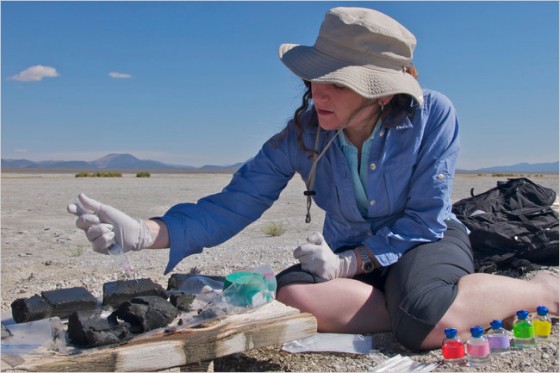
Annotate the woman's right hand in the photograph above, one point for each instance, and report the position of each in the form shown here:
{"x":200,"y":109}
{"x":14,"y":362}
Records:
{"x":103,"y":224}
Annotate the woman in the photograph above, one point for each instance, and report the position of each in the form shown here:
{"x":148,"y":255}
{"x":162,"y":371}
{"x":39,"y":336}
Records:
{"x":378,"y":155}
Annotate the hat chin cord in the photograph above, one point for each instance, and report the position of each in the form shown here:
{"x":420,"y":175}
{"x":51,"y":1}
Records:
{"x":310,"y":184}
{"x":309,"y":193}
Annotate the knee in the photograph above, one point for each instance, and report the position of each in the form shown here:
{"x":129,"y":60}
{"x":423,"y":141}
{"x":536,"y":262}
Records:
{"x":284,"y":294}
{"x":290,"y":295}
{"x":298,"y":296}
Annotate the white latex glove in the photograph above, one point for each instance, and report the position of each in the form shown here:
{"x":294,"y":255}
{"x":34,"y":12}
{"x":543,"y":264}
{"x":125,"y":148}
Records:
{"x":317,"y":257}
{"x":103,"y":224}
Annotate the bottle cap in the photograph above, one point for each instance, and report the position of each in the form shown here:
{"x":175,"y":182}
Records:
{"x":477,"y":331}
{"x":542,"y":310}
{"x":522,"y":314}
{"x":496,"y":324}
{"x":450,"y":332}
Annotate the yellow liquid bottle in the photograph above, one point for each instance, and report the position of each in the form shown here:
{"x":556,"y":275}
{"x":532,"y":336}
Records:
{"x":542,"y":323}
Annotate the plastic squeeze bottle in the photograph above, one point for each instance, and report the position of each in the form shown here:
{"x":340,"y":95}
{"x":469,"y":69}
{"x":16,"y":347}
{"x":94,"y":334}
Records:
{"x":523,"y":329}
{"x":478,"y":348}
{"x":452,"y":347}
{"x":542,"y":323}
{"x":498,"y":337}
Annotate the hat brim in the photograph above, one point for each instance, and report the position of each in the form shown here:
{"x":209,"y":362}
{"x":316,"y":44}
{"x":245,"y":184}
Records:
{"x":369,"y":81}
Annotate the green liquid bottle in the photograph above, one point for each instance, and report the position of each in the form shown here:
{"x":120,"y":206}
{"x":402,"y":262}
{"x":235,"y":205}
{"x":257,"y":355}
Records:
{"x":523,"y":330}
{"x":542,"y":323}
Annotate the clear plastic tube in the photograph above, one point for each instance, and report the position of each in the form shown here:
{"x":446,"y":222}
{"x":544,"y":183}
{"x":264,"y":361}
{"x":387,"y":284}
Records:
{"x":116,"y":251}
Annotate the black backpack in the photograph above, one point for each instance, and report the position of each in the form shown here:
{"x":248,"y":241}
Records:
{"x":512,"y":226}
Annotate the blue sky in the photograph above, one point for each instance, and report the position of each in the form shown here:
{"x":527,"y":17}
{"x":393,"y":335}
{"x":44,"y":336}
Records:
{"x":197,"y":83}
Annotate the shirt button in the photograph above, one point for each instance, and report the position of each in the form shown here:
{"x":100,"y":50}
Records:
{"x":370,"y":233}
{"x":381,"y":133}
{"x":372,"y":202}
{"x":372,"y":166}
{"x":441,"y":176}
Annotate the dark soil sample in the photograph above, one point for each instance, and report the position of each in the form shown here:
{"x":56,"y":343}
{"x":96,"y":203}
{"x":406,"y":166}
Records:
{"x":117,"y":292}
{"x":146,"y":313}
{"x":30,"y":309}
{"x":182,"y":301}
{"x":64,"y":302}
{"x":89,"y":329}
{"x":177,"y":281}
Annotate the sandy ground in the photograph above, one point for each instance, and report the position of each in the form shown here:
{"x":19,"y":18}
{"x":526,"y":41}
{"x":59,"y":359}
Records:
{"x":41,"y":249}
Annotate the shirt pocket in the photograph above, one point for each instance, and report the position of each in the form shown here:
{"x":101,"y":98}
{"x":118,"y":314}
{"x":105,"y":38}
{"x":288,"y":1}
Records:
{"x":347,"y":205}
{"x":396,"y":180}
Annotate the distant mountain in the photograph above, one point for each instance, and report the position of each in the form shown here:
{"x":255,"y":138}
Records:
{"x":210,"y":167}
{"x":523,"y":167}
{"x":130,"y":162}
{"x":108,"y":162}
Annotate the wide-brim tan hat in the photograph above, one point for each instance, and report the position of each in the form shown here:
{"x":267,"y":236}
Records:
{"x":362,"y":49}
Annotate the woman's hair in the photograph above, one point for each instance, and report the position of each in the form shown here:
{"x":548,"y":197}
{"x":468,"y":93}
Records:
{"x":392,"y":114}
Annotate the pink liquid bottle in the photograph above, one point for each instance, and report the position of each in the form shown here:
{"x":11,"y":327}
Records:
{"x":452,"y":347}
{"x":498,"y":338}
{"x":478,"y":348}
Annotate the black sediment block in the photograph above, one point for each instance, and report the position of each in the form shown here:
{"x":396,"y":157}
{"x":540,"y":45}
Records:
{"x":88,"y":328}
{"x":146,"y":313}
{"x":64,"y":302}
{"x":182,"y":301}
{"x":117,"y":292}
{"x":177,"y":280}
{"x":30,"y":309}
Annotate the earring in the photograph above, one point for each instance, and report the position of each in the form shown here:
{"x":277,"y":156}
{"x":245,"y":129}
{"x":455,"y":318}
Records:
{"x":382,"y":106}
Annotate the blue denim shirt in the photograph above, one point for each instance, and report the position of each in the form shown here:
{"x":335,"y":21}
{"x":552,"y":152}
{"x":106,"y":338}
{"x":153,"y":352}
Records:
{"x":359,"y":170}
{"x":411,"y":169}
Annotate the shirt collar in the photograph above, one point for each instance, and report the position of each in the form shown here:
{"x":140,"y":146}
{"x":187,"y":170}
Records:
{"x":343,"y":141}
{"x":404,"y":124}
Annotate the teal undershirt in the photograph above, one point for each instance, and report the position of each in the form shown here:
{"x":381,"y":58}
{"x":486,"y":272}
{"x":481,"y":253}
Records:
{"x":359,"y":177}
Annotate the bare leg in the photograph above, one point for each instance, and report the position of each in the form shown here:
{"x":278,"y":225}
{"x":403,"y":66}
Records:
{"x":482,"y":298}
{"x":340,"y":305}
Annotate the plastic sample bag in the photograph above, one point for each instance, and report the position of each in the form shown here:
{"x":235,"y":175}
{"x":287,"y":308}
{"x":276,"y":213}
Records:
{"x":331,"y":342}
{"x":28,"y":336}
{"x":241,"y":291}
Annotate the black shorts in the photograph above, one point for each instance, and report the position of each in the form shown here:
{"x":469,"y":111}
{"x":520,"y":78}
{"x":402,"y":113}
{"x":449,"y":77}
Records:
{"x":418,"y":289}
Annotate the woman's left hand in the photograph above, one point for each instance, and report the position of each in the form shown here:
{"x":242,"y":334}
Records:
{"x":317,"y":257}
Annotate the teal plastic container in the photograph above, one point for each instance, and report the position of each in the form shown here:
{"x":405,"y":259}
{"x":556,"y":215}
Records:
{"x":246,"y":289}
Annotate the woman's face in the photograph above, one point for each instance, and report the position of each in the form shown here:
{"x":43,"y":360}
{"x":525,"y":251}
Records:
{"x":340,"y":107}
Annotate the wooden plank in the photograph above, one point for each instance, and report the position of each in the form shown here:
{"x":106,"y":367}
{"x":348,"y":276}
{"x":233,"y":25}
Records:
{"x":272,"y":324}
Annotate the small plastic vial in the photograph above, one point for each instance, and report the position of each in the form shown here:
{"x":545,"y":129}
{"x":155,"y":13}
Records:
{"x":498,"y":338}
{"x":452,"y":347}
{"x":523,"y":329}
{"x":478,"y":348}
{"x":117,"y":252}
{"x":542,"y":323}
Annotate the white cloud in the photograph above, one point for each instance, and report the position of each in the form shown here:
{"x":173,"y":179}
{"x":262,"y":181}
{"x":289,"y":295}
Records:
{"x":35,"y":73}
{"x":116,"y":75}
